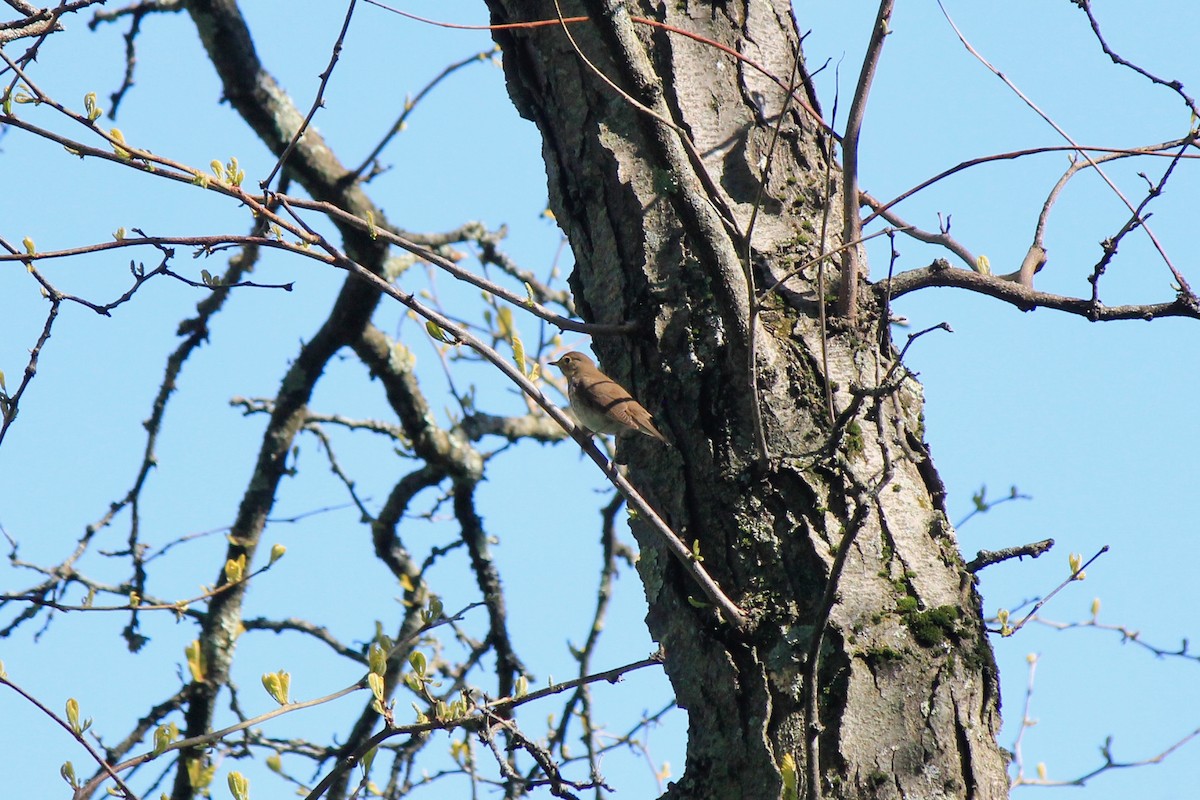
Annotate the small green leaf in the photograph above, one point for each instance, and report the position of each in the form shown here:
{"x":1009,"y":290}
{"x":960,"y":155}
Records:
{"x":506,"y":322}
{"x":119,"y":137}
{"x":375,"y":681}
{"x":73,"y":717}
{"x":89,"y":105}
{"x":73,"y":714}
{"x":200,"y":775}
{"x":235,"y":569}
{"x":519,"y":353}
{"x":239,"y":786}
{"x":377,"y":658}
{"x":233,"y":173}
{"x":195,"y":660}
{"x":163,"y":736}
{"x":436,"y":332}
{"x":278,"y":685}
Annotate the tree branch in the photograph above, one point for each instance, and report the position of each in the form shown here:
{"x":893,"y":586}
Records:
{"x":940,"y":273}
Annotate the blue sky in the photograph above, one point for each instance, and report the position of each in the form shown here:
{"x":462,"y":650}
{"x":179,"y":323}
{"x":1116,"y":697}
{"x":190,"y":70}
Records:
{"x":1096,"y":422}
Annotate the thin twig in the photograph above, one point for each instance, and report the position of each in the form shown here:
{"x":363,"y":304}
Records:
{"x":1072,"y":577}
{"x":812,"y":663}
{"x":1173,"y":85}
{"x":108,"y":770}
{"x":318,"y":101}
{"x":942,"y":238}
{"x":410,"y":106}
{"x":445,"y":264}
{"x":1061,"y":132}
{"x":1136,"y":220}
{"x":1110,"y":763}
{"x":983,"y":505}
{"x":1148,"y":150}
{"x":763,"y":455}
{"x":824,"y":256}
{"x":532,"y":24}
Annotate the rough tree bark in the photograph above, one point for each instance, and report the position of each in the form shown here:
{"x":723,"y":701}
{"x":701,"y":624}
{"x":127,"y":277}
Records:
{"x":867,"y":664}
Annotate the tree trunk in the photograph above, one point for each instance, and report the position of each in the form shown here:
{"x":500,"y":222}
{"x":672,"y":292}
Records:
{"x":866,"y":671}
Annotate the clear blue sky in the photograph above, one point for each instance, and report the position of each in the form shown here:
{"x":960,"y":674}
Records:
{"x":1096,"y":422}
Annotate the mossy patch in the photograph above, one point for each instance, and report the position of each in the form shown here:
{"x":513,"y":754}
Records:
{"x":934,"y":626}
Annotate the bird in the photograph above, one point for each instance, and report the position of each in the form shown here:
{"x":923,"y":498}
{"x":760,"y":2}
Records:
{"x":601,"y":404}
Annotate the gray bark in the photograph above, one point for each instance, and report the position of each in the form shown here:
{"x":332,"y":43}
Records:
{"x":867,"y":664}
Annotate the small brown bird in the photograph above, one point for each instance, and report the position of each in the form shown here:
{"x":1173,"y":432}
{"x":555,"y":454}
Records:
{"x":601,"y":404}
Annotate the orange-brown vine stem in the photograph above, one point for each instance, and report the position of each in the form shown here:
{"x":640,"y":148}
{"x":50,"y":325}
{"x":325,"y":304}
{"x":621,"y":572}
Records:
{"x":543,"y":23}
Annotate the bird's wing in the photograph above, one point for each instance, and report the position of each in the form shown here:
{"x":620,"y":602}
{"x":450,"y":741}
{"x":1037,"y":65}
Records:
{"x":632,"y":413}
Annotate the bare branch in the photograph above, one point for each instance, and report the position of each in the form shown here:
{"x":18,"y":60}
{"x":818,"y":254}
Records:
{"x":852,"y":231}
{"x":1149,"y":150}
{"x":1173,"y":85}
{"x":985,"y":558}
{"x":410,"y":106}
{"x":1076,"y":574}
{"x":1082,"y":152}
{"x":318,"y":101}
{"x":1027,"y":299}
